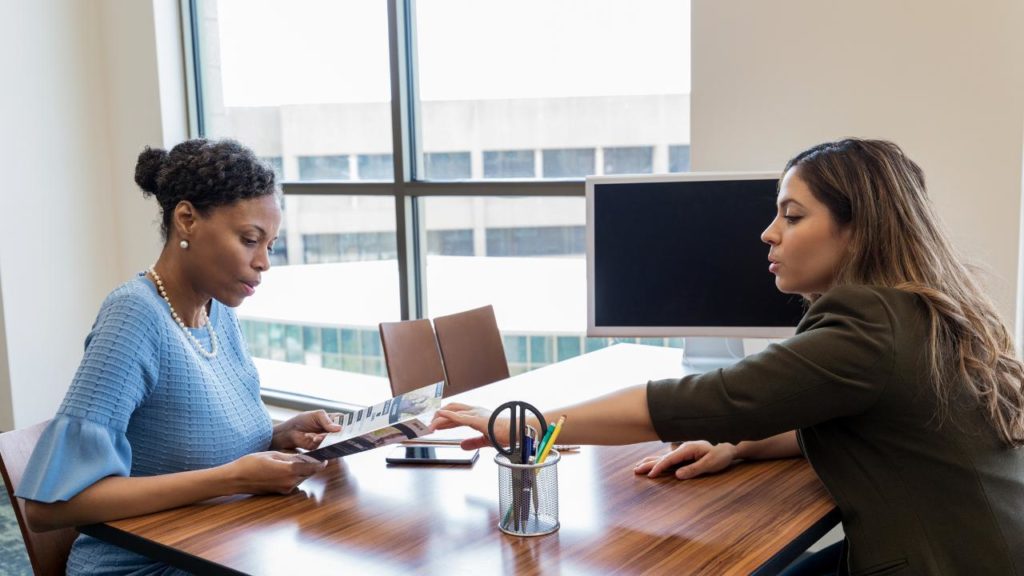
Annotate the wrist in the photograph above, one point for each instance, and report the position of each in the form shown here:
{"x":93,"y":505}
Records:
{"x":229,"y":478}
{"x":744,"y":451}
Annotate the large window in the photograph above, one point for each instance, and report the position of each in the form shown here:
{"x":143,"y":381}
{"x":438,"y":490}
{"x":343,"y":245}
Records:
{"x":433,"y":161}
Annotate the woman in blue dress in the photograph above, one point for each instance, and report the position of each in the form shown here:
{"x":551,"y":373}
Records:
{"x":165,"y":407}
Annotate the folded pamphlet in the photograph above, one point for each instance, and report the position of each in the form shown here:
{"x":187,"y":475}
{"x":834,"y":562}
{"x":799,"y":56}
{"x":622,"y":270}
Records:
{"x":400,"y":418}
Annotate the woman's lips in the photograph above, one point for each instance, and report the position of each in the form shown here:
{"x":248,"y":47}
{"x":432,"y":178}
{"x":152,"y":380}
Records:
{"x":773,"y":267}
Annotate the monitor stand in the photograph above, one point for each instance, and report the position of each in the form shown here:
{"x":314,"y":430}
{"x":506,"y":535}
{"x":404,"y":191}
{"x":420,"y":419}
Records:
{"x":707,"y":354}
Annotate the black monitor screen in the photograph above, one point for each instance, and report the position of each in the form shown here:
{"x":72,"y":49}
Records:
{"x":678,"y":256}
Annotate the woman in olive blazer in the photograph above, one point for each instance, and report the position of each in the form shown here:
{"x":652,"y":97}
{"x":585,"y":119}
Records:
{"x":901,"y":387}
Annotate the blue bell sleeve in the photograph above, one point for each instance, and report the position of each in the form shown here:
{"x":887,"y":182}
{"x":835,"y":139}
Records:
{"x":86,"y":441}
{"x":72,"y":454}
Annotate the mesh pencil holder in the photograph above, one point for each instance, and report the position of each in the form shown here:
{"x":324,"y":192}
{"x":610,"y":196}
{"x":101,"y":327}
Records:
{"x":528,"y":496}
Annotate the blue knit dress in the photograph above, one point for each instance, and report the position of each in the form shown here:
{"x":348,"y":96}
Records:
{"x":145,"y":402}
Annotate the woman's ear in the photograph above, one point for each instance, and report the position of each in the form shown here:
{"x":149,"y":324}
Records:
{"x":185,"y":219}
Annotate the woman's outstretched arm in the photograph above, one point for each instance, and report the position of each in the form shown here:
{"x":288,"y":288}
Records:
{"x":621,"y":417}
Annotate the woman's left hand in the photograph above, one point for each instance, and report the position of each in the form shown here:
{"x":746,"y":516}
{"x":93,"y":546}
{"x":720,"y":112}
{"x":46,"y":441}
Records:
{"x":692,"y":458}
{"x":305,"y":431}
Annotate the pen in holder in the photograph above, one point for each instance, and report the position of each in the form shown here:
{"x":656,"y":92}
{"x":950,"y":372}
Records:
{"x":528,"y":496}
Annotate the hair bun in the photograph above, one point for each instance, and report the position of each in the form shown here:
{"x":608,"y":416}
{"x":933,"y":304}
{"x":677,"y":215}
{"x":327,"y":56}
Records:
{"x":147,"y":169}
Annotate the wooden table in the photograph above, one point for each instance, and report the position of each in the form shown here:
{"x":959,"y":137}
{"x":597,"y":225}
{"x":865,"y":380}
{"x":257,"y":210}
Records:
{"x":361,"y":516}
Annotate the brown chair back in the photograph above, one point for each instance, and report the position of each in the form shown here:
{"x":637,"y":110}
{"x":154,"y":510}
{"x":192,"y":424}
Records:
{"x":471,"y":349}
{"x":48,"y":551}
{"x":410,"y":354}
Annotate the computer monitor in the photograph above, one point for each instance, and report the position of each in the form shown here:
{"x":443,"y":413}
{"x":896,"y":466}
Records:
{"x":681,"y":255}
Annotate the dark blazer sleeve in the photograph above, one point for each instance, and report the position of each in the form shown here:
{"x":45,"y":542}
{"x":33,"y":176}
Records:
{"x":837,"y":365}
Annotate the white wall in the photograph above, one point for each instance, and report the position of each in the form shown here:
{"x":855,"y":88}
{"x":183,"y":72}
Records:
{"x":57,"y":249}
{"x":84,"y":98}
{"x":944,"y":80}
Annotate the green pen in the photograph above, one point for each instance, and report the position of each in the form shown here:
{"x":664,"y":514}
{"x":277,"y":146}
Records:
{"x":547,"y":438}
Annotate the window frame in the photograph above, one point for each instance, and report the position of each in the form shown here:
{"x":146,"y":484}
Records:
{"x":408,"y":184}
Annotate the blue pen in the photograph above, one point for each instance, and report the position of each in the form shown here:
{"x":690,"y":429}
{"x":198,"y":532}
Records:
{"x":527,"y":446}
{"x":524,"y":502}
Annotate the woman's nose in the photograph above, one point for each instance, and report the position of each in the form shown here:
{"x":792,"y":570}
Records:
{"x":768,"y":236}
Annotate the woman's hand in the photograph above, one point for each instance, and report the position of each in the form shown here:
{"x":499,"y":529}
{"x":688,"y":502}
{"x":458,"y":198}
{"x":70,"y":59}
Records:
{"x":454,"y":415}
{"x":705,"y":457}
{"x":305,"y":431}
{"x":271,"y":472}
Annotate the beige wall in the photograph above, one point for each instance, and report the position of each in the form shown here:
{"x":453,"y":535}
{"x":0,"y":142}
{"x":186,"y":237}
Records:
{"x":945,"y":80}
{"x":87,"y":98}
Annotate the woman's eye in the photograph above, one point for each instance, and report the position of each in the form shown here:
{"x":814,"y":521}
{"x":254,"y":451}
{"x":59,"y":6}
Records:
{"x":249,"y":241}
{"x":792,"y":219}
{"x":270,"y":249}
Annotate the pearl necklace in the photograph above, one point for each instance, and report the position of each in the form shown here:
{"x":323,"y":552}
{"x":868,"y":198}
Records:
{"x":174,"y":314}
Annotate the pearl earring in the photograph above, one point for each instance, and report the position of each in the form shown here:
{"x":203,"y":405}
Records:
{"x":183,"y":244}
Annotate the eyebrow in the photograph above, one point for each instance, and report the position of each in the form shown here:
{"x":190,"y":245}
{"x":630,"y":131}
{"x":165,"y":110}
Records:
{"x":263,"y":233}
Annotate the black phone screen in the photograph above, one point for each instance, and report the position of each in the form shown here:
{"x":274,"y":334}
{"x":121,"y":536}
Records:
{"x":431,"y":455}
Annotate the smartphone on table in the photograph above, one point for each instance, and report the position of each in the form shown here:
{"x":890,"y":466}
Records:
{"x":431,"y":455}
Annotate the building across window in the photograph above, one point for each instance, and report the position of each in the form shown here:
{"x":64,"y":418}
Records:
{"x":679,"y":158}
{"x":538,"y":241}
{"x":376,"y":167}
{"x":509,"y":164}
{"x":568,"y":162}
{"x":447,"y":166}
{"x":450,"y":242}
{"x":348,"y":247}
{"x":323,"y":168}
{"x":277,"y":165}
{"x":629,"y":160}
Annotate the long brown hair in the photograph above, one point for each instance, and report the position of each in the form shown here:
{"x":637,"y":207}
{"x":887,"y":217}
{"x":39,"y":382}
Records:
{"x":874,"y":189}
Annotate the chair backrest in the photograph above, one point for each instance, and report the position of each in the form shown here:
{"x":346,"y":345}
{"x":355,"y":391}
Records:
{"x":471,"y":349}
{"x":48,"y":551}
{"x":411,"y":356}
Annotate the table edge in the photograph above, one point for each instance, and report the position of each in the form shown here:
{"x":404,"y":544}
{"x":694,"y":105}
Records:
{"x":798,"y":545}
{"x":156,"y":551}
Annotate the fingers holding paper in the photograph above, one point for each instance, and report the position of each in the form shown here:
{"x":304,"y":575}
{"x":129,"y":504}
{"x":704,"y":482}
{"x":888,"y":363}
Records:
{"x":271,"y":472}
{"x":454,"y":415}
{"x":306,"y":430}
{"x":692,"y":459}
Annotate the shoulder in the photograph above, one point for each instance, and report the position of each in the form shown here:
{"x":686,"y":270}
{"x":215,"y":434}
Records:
{"x":132,"y":306}
{"x":872,"y":304}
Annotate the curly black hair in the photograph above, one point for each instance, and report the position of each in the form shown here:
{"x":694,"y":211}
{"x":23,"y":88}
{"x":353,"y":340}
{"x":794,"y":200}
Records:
{"x":207,"y":173}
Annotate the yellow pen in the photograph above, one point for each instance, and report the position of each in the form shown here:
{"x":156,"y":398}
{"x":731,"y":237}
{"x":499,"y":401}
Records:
{"x":554,"y":436}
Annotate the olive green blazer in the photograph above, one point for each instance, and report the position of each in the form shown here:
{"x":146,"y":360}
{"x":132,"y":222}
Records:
{"x":918,"y":495}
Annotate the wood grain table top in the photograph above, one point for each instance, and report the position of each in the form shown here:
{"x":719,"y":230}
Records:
{"x":363,"y":516}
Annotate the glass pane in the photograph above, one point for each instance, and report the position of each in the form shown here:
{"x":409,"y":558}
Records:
{"x":596,"y":77}
{"x":306,"y":85}
{"x":376,"y":167}
{"x":679,"y":158}
{"x":447,"y":166}
{"x":568,"y":347}
{"x":323,"y":167}
{"x":568,"y":163}
{"x":629,"y":160}
{"x":509,"y":164}
{"x":524,"y":256}
{"x":319,"y":312}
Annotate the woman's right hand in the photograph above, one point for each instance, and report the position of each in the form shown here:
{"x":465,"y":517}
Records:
{"x":271,"y":472}
{"x":704,"y":458}
{"x":454,"y":415}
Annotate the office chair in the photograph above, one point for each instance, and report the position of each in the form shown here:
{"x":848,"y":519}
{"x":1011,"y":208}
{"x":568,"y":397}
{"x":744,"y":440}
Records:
{"x":47,"y":551}
{"x":410,"y":354}
{"x":471,"y":349}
